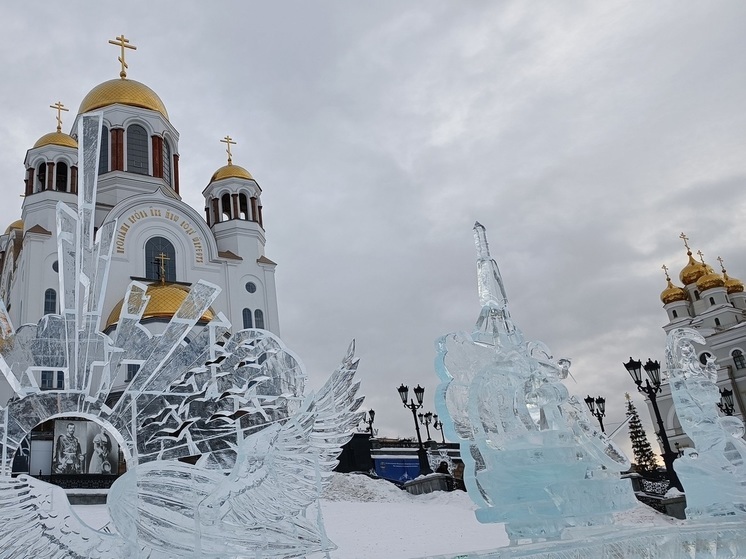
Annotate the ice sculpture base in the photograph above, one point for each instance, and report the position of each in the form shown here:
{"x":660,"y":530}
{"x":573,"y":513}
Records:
{"x":715,"y":538}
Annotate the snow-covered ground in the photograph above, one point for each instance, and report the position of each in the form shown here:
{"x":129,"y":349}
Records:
{"x":373,"y":519}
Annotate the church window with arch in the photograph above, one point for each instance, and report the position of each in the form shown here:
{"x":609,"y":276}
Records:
{"x":50,"y":301}
{"x":738,"y":359}
{"x":160,"y":254}
{"x":258,"y":319}
{"x":137,"y":150}
{"x":247,"y":323}
{"x":225,"y":202}
{"x":41,"y":177}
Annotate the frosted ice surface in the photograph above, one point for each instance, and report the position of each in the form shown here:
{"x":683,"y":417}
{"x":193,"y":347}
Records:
{"x":713,"y":472}
{"x":235,"y":405}
{"x":534,"y":460}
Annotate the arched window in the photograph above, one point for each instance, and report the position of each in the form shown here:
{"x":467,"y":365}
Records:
{"x":41,"y":176}
{"x":166,"y":162}
{"x":61,"y":177}
{"x":675,"y":314}
{"x":50,"y":301}
{"x":225,"y":202}
{"x":717,"y":322}
{"x":160,"y":252}
{"x":696,"y":295}
{"x":247,"y":318}
{"x":243,"y":207}
{"x":137,"y":149}
{"x":712,"y":300}
{"x":738,"y":359}
{"x":258,"y":319}
{"x":103,"y":158}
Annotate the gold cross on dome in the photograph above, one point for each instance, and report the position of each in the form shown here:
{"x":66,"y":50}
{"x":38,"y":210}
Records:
{"x":161,"y":259}
{"x":685,"y":239}
{"x":59,"y":107}
{"x":701,"y":257}
{"x":123,"y":43}
{"x":228,"y":141}
{"x":722,"y":266}
{"x":665,"y":269}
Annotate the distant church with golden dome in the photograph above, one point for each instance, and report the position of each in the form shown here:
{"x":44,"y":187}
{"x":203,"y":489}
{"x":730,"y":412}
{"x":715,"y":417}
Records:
{"x":714,"y":304}
{"x":159,"y":239}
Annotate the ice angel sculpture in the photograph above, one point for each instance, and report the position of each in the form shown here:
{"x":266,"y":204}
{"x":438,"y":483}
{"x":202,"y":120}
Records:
{"x":256,"y":449}
{"x":534,"y":460}
{"x":713,"y":472}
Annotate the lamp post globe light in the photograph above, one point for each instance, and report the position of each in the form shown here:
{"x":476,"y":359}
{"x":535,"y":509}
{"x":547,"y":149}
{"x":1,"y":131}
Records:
{"x":597,"y":407}
{"x":419,"y":394}
{"x":651,"y":389}
{"x":726,"y":402}
{"x":426,"y":419}
{"x":438,"y":426}
{"x":369,"y":421}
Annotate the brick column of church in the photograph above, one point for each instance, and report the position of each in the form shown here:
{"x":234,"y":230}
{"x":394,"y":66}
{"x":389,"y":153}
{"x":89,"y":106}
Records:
{"x":29,"y":181}
{"x":176,"y":172}
{"x":235,"y":206}
{"x":253,"y":209}
{"x":50,"y":176}
{"x":157,"y":143}
{"x":117,"y":149}
{"x":74,"y":179}
{"x":215,"y":211}
{"x":261,"y":222}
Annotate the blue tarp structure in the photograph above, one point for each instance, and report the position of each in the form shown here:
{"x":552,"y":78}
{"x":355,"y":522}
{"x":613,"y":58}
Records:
{"x":397,"y":469}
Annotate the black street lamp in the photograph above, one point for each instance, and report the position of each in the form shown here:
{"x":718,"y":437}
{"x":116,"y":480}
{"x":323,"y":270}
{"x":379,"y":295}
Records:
{"x":726,"y":402}
{"x":653,"y":370}
{"x":426,"y":419}
{"x":438,"y":426}
{"x":419,"y":393}
{"x":597,"y":408}
{"x":369,"y":422}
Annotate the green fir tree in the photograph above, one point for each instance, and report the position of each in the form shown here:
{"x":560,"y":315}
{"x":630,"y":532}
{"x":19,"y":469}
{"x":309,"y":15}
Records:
{"x":644,"y":457}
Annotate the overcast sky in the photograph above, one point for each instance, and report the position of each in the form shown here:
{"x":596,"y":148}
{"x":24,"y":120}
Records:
{"x":585,"y":136}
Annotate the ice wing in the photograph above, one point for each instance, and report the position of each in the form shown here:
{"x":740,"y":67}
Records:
{"x":36,"y":520}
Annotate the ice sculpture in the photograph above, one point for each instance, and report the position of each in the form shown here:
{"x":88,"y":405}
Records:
{"x":713,"y":472}
{"x":234,"y":404}
{"x":534,"y":459}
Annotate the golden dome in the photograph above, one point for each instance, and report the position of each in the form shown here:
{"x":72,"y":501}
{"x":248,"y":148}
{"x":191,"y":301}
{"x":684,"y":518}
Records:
{"x":125,"y":92}
{"x":165,"y":300}
{"x":672,"y":293}
{"x":231,"y":171}
{"x":710,"y":280}
{"x":733,"y":285}
{"x":17,"y":224}
{"x":57,"y":139}
{"x":693,"y":270}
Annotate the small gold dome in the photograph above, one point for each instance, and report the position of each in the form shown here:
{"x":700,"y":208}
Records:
{"x":17,"y":224}
{"x":710,"y":280}
{"x":693,"y":270}
{"x":57,"y":139}
{"x":231,"y":171}
{"x":672,"y":293}
{"x":165,"y":300}
{"x":124,"y":92}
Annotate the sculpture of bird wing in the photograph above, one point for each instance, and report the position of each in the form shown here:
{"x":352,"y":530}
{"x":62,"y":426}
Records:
{"x":36,"y":520}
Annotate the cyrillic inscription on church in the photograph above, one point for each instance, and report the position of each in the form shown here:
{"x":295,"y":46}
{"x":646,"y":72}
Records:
{"x":156,"y":213}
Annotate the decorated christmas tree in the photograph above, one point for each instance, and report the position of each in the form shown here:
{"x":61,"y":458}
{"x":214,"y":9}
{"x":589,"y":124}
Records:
{"x":644,"y":457}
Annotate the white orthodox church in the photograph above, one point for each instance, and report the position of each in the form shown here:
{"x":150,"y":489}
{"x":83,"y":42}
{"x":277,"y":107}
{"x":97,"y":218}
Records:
{"x":159,"y":239}
{"x":714,"y":304}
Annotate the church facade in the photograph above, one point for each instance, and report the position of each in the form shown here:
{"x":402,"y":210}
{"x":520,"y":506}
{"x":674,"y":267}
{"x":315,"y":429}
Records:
{"x":159,"y":240}
{"x":714,"y":304}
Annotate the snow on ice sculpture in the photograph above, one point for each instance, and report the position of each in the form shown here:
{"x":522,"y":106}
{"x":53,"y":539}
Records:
{"x":262,"y":451}
{"x":534,"y":460}
{"x":713,"y":472}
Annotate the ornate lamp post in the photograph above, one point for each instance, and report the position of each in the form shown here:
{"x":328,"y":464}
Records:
{"x":726,"y":402}
{"x":419,"y":394}
{"x":426,"y":419}
{"x":438,"y":426}
{"x":597,"y":408}
{"x":651,"y":388}
{"x":369,"y":422}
